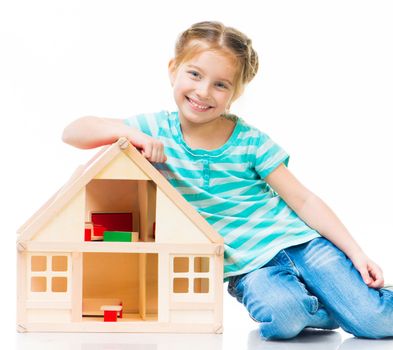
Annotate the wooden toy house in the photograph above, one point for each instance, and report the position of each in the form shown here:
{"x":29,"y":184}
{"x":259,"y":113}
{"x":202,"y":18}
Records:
{"x":118,"y":249}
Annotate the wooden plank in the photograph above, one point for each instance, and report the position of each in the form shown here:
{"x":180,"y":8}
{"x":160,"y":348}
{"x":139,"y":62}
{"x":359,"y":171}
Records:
{"x":142,"y":285}
{"x":218,"y":286}
{"x":143,"y":204}
{"x":78,"y":171}
{"x":76,"y":285}
{"x":120,"y":327}
{"x":67,"y":193}
{"x":21,"y":287}
{"x":164,"y":286}
{"x":92,"y":306}
{"x":121,"y":247}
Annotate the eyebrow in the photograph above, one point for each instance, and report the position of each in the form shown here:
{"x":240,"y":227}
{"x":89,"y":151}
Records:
{"x":200,"y":69}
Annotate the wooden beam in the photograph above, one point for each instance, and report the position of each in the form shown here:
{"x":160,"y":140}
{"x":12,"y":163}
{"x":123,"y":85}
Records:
{"x":122,"y":247}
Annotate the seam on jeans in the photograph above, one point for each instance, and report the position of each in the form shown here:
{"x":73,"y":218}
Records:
{"x":314,"y":304}
{"x":292,"y":263}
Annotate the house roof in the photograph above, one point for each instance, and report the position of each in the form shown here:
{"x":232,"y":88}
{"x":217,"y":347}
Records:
{"x":85,"y":173}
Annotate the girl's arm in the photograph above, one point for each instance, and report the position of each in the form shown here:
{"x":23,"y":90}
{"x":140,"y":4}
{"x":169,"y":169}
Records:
{"x":91,"y":132}
{"x":316,"y":214}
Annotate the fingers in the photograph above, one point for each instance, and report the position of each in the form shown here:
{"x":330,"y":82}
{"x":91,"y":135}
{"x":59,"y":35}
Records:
{"x":370,"y":272}
{"x":146,"y":151}
{"x":153,"y":151}
{"x":377,"y":276}
{"x":377,"y":284}
{"x":151,"y":148}
{"x":372,"y":275}
{"x":158,"y":153}
{"x":365,"y":275}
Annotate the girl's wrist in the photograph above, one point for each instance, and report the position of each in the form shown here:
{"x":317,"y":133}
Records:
{"x":355,"y":251}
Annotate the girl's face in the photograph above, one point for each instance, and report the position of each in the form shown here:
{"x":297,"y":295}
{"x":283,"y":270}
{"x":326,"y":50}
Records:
{"x":203,"y":87}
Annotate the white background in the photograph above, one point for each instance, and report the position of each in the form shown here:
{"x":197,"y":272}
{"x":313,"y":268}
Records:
{"x":323,"y":92}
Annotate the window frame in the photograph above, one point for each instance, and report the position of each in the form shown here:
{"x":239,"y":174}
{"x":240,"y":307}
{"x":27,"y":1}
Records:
{"x":49,"y":274}
{"x":191,"y":275}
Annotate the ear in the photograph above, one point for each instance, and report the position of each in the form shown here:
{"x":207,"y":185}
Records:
{"x":172,"y":71}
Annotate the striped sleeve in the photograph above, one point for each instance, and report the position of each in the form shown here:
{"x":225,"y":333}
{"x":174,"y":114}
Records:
{"x":269,"y":155}
{"x":147,"y":123}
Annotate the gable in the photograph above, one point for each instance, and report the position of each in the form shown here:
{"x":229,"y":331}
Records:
{"x":121,"y":168}
{"x":177,"y":220}
{"x":67,"y":225}
{"x":173,"y":226}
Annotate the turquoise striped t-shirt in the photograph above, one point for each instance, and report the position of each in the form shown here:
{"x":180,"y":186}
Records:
{"x":226,"y":186}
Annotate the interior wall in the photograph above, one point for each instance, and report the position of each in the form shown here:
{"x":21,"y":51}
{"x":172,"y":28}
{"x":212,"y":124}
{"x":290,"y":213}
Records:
{"x":112,"y":275}
{"x":116,"y":276}
{"x":113,"y":196}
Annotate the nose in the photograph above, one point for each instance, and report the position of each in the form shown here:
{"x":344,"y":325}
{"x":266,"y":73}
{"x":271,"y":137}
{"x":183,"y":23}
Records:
{"x":203,"y":90}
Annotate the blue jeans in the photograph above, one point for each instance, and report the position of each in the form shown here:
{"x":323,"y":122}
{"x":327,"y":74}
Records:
{"x":314,"y":285}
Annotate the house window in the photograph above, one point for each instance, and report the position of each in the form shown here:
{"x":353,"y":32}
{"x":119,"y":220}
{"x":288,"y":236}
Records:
{"x":191,"y":275}
{"x":49,"y":274}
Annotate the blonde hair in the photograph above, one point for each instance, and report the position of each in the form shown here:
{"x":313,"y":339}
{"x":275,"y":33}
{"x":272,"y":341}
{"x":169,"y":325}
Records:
{"x":215,"y":36}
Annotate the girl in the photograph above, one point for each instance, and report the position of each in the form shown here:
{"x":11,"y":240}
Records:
{"x":288,"y":258}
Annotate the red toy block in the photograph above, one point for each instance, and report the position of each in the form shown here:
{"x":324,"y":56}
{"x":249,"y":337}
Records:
{"x":99,"y":230}
{"x":94,"y":232}
{"x":111,"y":312}
{"x":110,"y":316}
{"x":87,"y":234}
{"x":113,"y":221}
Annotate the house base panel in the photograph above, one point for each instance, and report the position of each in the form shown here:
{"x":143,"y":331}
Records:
{"x":121,"y":327}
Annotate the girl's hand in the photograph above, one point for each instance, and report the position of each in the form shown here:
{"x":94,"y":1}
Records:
{"x":371,"y":273}
{"x":152,"y":149}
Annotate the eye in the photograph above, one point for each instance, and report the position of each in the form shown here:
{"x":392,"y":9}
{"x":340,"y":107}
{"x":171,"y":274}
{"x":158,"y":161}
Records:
{"x":194,"y":73}
{"x":221,"y":85}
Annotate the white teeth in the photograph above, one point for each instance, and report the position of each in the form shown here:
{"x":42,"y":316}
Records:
{"x":197,"y":105}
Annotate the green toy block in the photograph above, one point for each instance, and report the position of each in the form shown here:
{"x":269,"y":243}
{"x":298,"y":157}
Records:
{"x":117,"y":236}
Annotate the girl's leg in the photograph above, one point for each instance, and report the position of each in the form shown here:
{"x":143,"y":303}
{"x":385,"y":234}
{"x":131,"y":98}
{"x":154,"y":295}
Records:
{"x":275,"y":297}
{"x":331,"y":276}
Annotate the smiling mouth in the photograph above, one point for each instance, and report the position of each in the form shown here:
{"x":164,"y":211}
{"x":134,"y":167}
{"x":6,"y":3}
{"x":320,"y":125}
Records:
{"x":198,"y":106}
